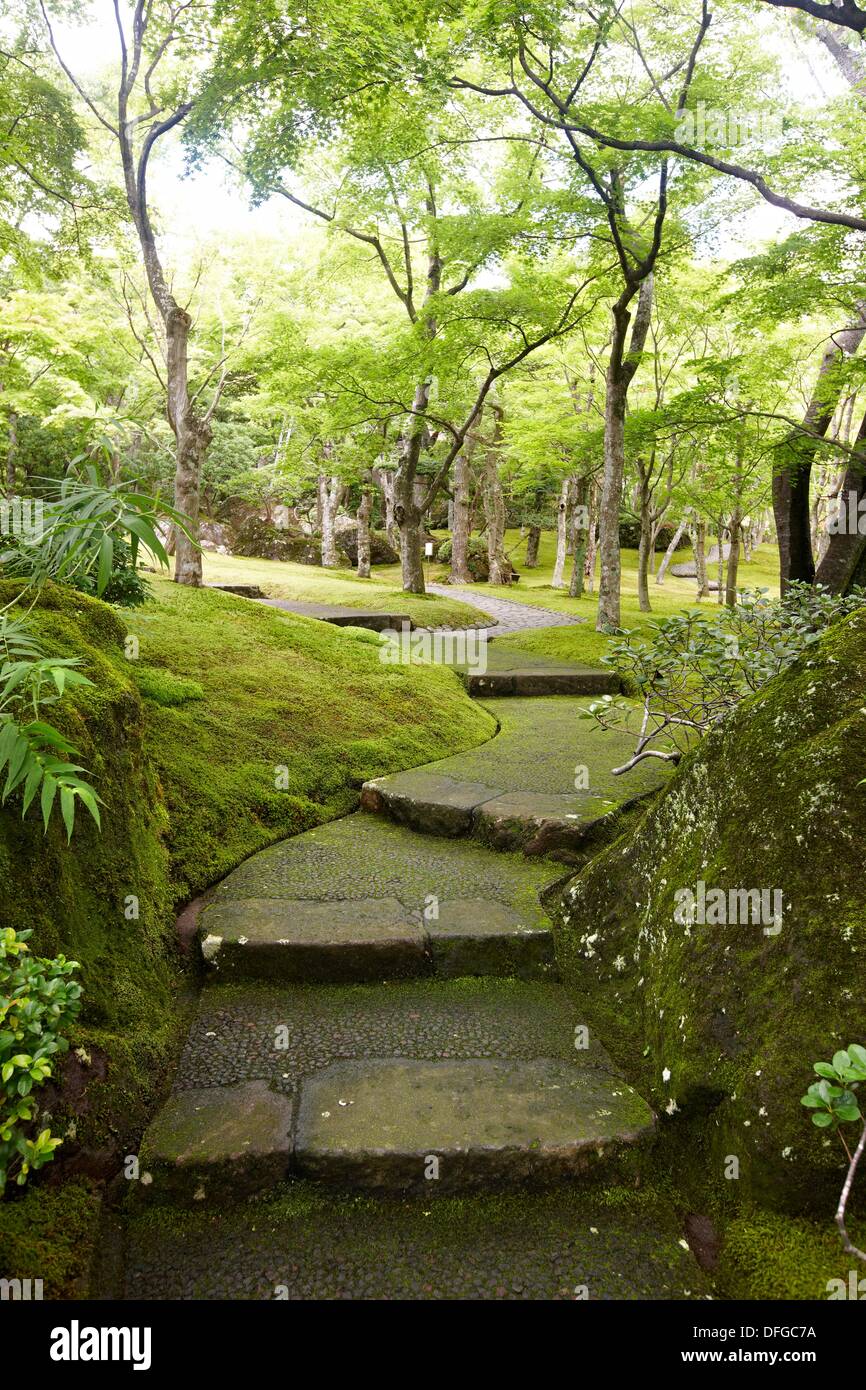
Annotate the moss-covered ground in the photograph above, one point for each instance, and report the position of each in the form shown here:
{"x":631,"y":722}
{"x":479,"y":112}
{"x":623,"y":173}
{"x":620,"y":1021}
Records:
{"x":227,"y":727}
{"x":342,"y":587}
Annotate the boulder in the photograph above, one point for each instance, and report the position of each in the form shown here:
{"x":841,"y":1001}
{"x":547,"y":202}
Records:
{"x":381,"y":550}
{"x":260,"y":540}
{"x":720,"y":1025}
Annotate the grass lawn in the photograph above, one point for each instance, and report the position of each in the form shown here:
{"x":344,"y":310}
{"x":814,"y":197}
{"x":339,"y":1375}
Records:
{"x":582,"y":643}
{"x":311,"y":584}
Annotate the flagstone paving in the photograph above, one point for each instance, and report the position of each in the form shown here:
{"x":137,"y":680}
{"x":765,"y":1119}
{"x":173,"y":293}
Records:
{"x":381,"y":1047}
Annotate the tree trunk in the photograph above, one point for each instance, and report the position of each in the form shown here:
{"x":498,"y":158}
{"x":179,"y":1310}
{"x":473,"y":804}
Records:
{"x":581,"y":537}
{"x":720,"y":592}
{"x":494,"y":506}
{"x":562,"y":533}
{"x":532,"y":541}
{"x":592,"y":535}
{"x":331,"y":493}
{"x":362,"y":516}
{"x":700,"y":549}
{"x":384,"y":478}
{"x":646,"y":539}
{"x":791,"y":482}
{"x":845,"y":548}
{"x":672,"y":549}
{"x":12,"y":454}
{"x":460,"y":573}
{"x":621,"y":368}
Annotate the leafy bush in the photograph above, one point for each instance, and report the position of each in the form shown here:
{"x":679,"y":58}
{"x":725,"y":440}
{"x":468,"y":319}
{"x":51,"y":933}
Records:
{"x":833,"y":1102}
{"x":126,"y":586}
{"x":697,"y":668}
{"x":38,"y":1001}
{"x":33,"y":754}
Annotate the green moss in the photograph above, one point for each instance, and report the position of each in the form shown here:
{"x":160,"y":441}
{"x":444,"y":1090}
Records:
{"x":723,"y":1023}
{"x":769,"y":1256}
{"x":164,"y":688}
{"x":50,"y":1233}
{"x":183,"y":745}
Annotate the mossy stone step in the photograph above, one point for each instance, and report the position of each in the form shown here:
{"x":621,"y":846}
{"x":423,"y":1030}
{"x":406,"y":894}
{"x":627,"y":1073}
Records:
{"x":402,"y":1125}
{"x":394,"y":1124}
{"x":521,"y":673}
{"x":341,"y":616}
{"x":371,"y":939}
{"x":544,"y":784}
{"x":221,"y":1142}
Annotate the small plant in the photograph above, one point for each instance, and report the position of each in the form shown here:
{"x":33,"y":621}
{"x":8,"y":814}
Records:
{"x":833,"y":1102}
{"x":34,"y":756}
{"x":696,"y":669}
{"x":38,"y":1001}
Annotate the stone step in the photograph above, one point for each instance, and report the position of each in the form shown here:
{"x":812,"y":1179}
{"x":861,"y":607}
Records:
{"x":401,"y":1125}
{"x":533,"y":680}
{"x":542,"y":785}
{"x":394,"y":1124}
{"x":371,"y":939}
{"x":342,"y":616}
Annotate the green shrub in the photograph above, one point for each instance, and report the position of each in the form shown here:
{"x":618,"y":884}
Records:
{"x":37,"y":1000}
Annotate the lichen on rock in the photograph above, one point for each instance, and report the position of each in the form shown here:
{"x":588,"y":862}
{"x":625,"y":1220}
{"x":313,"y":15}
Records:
{"x":720,"y":1023}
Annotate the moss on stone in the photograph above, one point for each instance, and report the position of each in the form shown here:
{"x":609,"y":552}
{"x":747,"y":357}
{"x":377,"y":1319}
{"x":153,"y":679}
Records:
{"x":51,"y":1234}
{"x":723,"y":1023}
{"x":766,"y":1255}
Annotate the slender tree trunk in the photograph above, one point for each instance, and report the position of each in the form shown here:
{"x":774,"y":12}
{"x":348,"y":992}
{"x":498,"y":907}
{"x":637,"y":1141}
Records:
{"x":532,"y":541}
{"x":365,"y":507}
{"x":12,"y":454}
{"x":646,"y":539}
{"x":562,"y":533}
{"x":331,"y":492}
{"x":720,"y":592}
{"x":734,"y":526}
{"x":592,"y":535}
{"x":672,"y":548}
{"x":494,"y":506}
{"x":621,"y":368}
{"x":384,"y":477}
{"x":700,"y":549}
{"x":460,"y":573}
{"x":581,"y":538}
{"x":846,"y":546}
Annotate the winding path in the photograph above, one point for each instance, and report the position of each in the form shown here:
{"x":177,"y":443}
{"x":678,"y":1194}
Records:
{"x":509,"y":615}
{"x":382,"y":1045}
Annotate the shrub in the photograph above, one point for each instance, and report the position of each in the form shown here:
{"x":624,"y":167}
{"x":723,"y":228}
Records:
{"x":697,"y":668}
{"x":38,"y":1000}
{"x":126,"y":585}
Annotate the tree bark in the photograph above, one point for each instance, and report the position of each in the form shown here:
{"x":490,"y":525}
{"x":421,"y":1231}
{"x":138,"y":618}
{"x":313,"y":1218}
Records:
{"x":460,"y":572}
{"x":672,"y":548}
{"x":791,"y":482}
{"x":331,"y":492}
{"x":558,"y":581}
{"x":644,"y":544}
{"x":494,"y":505}
{"x":362,"y":517}
{"x":581,"y":539}
{"x":532,"y":542}
{"x":12,"y":454}
{"x":845,"y":548}
{"x":700,"y":549}
{"x":621,"y":368}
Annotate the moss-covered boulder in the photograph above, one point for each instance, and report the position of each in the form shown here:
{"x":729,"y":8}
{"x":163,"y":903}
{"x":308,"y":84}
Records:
{"x":718,"y":1022}
{"x":260,"y":540}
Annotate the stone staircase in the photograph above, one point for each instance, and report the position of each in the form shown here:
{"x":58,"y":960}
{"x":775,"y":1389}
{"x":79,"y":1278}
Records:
{"x":381,"y":1012}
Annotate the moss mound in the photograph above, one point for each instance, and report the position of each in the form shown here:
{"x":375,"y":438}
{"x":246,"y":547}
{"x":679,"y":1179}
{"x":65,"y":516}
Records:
{"x":233,"y":726}
{"x":723,"y":1022}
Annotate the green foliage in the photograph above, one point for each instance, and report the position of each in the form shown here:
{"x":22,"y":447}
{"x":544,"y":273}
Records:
{"x":82,"y":524}
{"x":696,"y":669}
{"x":33,"y":754}
{"x":38,"y":1001}
{"x":126,"y":586}
{"x":832,"y":1100}
{"x":166,"y":689}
